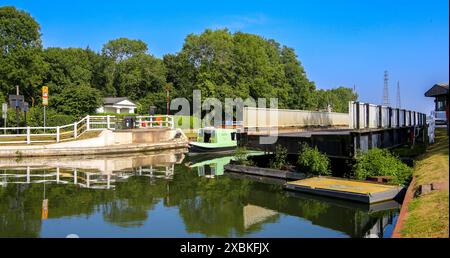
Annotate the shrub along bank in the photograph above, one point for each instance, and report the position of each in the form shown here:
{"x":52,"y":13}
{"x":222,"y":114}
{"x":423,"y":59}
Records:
{"x":381,"y":162}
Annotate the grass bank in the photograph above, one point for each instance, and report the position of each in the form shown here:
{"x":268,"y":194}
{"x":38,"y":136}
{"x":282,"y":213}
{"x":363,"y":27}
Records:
{"x":428,"y":214}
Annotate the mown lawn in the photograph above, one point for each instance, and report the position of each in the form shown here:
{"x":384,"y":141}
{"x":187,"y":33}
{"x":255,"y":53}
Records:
{"x":428,"y":214}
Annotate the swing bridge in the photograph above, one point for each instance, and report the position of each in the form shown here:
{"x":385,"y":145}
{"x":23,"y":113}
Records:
{"x":339,"y":135}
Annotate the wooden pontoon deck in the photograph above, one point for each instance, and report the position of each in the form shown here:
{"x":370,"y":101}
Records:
{"x":360,"y":191}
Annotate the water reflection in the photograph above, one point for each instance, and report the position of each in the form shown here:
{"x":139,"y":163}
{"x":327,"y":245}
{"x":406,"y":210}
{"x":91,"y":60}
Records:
{"x":167,"y":195}
{"x":101,"y":172}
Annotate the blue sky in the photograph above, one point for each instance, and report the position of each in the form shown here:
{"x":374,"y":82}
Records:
{"x":339,"y":42}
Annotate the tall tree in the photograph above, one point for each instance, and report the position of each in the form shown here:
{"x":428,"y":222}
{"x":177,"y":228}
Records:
{"x":139,"y":75}
{"x":129,"y":70}
{"x":337,"y":98}
{"x":77,"y":101}
{"x":123,"y":48}
{"x":21,"y":62}
{"x":68,"y":67}
{"x":222,"y":64}
{"x":302,"y":95}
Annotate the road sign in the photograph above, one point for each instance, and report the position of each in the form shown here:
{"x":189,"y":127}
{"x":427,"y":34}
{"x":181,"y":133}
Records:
{"x":15,"y":101}
{"x":45,"y":96}
{"x":25,"y":107}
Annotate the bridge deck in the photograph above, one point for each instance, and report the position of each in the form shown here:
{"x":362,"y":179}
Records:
{"x":311,"y":133}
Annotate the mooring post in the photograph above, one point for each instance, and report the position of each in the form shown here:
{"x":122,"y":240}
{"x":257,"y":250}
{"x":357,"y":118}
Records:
{"x":75,"y":176}
{"x":28,"y":135}
{"x":88,"y":122}
{"x":75,"y":130}
{"x":57,"y":175}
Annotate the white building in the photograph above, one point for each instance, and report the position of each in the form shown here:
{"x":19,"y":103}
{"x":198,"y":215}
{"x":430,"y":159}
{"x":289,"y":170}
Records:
{"x":117,"y":105}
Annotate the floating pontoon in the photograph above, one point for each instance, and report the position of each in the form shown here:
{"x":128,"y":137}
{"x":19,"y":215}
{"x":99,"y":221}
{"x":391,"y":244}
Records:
{"x":360,"y":191}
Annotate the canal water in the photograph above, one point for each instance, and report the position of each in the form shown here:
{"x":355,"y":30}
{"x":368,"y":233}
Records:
{"x":169,"y":194}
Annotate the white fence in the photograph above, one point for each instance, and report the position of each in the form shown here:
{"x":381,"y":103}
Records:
{"x":28,"y":135}
{"x":370,"y":116}
{"x":269,"y":118}
{"x":155,"y":122}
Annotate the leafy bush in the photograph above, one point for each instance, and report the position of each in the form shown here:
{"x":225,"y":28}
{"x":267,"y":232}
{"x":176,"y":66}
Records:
{"x":35,"y":118}
{"x":311,"y":161}
{"x":380,"y":162}
{"x":241,"y":157}
{"x":2,"y":98}
{"x":280,"y":159}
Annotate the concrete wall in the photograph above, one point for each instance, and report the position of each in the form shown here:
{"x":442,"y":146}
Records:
{"x":265,"y":118}
{"x":107,"y":142}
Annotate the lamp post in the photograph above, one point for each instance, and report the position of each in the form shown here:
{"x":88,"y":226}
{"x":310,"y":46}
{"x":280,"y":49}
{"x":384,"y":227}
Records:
{"x":168,"y":88}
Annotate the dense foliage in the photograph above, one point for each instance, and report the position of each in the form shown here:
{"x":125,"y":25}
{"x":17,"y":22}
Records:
{"x":380,"y":162}
{"x":219,"y":63}
{"x":241,"y":157}
{"x":280,"y":161}
{"x":311,"y":161}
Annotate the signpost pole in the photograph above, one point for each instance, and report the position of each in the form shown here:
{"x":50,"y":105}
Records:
{"x":4,"y":115}
{"x":45,"y":103}
{"x":167,"y":103}
{"x":17,"y":109}
{"x":44,"y":119}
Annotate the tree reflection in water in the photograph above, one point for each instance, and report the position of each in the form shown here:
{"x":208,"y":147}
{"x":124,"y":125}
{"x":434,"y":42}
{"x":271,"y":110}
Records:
{"x":220,"y":206}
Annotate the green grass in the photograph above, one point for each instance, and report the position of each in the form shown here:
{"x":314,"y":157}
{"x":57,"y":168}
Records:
{"x":428,"y":214}
{"x":407,"y":151}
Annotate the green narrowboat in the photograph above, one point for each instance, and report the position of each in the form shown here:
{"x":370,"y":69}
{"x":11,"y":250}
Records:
{"x":212,"y":139}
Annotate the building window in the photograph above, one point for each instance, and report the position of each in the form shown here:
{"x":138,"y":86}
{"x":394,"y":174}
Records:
{"x":440,"y":103}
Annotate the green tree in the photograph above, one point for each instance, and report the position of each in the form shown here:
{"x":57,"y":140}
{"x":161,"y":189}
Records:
{"x":77,"y":100}
{"x":127,"y":70}
{"x":337,"y":98}
{"x":222,"y":64}
{"x":140,"y":75}
{"x":21,"y":62}
{"x":302,"y":95}
{"x":123,"y":48}
{"x":68,"y":66}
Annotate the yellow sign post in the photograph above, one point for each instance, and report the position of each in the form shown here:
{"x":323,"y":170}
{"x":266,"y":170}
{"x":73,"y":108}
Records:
{"x":44,"y":209}
{"x":45,"y":96}
{"x":44,"y":100}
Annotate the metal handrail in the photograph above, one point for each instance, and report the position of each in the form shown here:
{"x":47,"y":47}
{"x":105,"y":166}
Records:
{"x":88,"y":123}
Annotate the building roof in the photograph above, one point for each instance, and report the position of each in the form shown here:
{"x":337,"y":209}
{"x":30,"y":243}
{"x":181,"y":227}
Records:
{"x":437,"y":90}
{"x":113,"y":101}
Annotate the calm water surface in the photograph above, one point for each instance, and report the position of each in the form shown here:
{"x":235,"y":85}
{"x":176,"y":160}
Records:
{"x":168,"y":195}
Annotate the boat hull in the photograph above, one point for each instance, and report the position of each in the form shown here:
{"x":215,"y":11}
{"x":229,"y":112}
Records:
{"x":203,"y":149}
